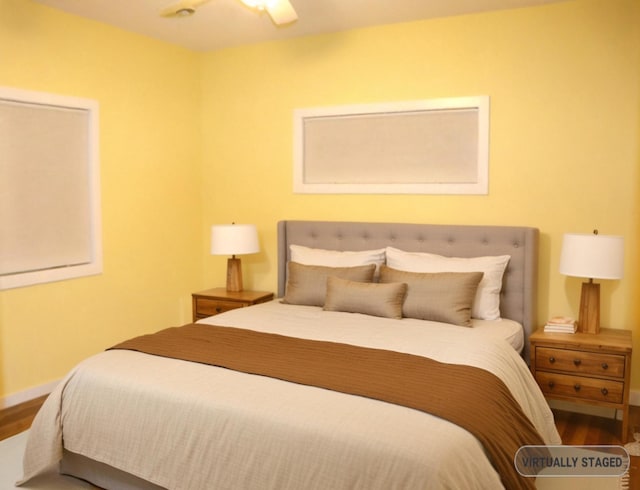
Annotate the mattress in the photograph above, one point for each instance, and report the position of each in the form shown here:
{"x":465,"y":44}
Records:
{"x":184,"y":425}
{"x":314,"y":323}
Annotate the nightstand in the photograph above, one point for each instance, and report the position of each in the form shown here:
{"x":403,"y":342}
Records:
{"x":585,"y":368}
{"x":218,"y":300}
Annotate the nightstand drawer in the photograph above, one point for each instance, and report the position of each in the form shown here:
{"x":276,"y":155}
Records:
{"x":594,"y":389}
{"x":209,"y":307}
{"x":579,"y":362}
{"x":218,"y":300}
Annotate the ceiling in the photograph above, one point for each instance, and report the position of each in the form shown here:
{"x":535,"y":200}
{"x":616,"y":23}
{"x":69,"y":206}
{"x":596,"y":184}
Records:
{"x":224,"y":23}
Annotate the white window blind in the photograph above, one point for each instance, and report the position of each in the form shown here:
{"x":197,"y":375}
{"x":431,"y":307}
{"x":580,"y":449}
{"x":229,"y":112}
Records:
{"x":423,"y":147}
{"x":49,"y":196}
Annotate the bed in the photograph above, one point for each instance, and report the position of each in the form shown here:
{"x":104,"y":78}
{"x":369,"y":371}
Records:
{"x":124,"y":419}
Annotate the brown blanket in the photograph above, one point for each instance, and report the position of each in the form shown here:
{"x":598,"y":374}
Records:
{"x":470,"y":397}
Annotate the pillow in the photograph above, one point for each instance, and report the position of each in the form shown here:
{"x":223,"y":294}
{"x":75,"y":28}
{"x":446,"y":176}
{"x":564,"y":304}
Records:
{"x":438,"y":296}
{"x":486,"y":305}
{"x":368,"y":298}
{"x":335,"y":258}
{"x":307,"y":284}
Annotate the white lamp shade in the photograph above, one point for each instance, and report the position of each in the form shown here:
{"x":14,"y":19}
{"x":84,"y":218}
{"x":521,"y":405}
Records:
{"x":234,"y":239}
{"x":592,"y":256}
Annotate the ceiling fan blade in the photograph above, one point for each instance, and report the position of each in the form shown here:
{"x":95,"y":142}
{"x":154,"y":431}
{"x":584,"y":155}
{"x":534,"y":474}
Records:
{"x":281,"y":11}
{"x":183,"y":7}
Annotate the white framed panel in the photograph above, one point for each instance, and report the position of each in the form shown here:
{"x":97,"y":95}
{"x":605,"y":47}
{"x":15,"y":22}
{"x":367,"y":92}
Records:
{"x":436,"y":146}
{"x":49,"y":188}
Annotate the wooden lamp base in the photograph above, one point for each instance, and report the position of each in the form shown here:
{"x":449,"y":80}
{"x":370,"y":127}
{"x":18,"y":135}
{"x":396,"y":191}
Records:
{"x":589,"y":319}
{"x":234,"y":275}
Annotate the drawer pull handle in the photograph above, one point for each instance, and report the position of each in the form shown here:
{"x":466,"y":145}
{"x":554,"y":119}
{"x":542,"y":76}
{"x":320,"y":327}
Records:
{"x":552,"y":360}
{"x":604,"y":391}
{"x":576,"y":387}
{"x":218,"y":310}
{"x":577,"y":362}
{"x":551,"y":384}
{"x":605,"y":366}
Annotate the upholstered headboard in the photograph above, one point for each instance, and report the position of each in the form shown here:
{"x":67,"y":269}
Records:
{"x":519,"y":286}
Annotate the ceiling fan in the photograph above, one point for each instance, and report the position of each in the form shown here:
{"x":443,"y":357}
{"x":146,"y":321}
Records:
{"x":281,"y":11}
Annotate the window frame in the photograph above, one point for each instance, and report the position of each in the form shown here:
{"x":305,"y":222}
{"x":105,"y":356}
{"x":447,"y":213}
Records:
{"x":94,"y":265}
{"x":303,"y":120}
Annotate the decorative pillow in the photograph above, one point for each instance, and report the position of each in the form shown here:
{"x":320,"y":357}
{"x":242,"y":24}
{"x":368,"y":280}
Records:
{"x":307,"y":284}
{"x":368,"y":298}
{"x":335,"y":258}
{"x":438,"y":296}
{"x":486,"y":305}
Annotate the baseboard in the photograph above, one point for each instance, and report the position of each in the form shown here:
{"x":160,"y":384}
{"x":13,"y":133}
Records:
{"x":27,"y":395}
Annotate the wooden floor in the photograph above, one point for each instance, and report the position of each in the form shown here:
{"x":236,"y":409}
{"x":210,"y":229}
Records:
{"x":585,"y":430}
{"x":14,"y":420}
{"x":574,"y":428}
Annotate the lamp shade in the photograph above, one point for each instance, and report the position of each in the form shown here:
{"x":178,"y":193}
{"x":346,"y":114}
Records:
{"x":592,"y":256}
{"x":234,"y":239}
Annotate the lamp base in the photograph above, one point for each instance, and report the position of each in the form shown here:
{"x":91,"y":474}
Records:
{"x":589,"y":319}
{"x":234,"y":275}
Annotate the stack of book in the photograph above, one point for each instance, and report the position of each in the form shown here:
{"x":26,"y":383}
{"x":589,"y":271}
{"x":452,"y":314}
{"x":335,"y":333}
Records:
{"x":561,"y":324}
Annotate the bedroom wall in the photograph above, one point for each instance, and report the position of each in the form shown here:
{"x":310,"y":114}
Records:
{"x":150,"y":171}
{"x":564,"y":82}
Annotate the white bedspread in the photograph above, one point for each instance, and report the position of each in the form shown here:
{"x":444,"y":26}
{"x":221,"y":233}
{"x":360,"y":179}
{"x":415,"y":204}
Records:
{"x":183,"y":425}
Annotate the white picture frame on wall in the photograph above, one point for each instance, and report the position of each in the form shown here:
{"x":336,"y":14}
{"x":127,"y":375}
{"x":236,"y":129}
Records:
{"x":434,"y":146}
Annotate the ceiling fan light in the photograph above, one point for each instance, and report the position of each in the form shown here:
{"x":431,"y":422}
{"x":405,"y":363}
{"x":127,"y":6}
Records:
{"x":255,"y":4}
{"x":280,"y":11}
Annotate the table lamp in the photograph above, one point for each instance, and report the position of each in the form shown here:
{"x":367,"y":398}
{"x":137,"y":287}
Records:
{"x":234,"y":240}
{"x":592,"y":256}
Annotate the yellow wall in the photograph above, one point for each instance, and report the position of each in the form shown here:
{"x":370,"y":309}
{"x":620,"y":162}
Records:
{"x":191,"y":139}
{"x":150,"y":171}
{"x":564,"y":82}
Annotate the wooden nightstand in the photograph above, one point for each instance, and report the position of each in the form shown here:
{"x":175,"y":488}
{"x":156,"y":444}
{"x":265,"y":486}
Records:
{"x":585,"y":368}
{"x":218,"y":300}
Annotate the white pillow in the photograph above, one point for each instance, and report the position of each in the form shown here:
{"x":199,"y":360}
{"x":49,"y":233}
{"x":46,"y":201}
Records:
{"x":335,"y":258}
{"x":486,"y":305}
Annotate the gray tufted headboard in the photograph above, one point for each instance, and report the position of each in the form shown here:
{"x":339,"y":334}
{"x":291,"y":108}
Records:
{"x":519,"y":285}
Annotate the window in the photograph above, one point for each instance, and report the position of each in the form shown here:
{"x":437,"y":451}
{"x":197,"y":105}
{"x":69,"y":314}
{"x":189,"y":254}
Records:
{"x":49,"y":188}
{"x":435,"y":146}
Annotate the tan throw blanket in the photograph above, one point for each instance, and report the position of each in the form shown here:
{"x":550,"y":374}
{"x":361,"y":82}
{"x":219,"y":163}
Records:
{"x":468,"y":396}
